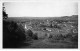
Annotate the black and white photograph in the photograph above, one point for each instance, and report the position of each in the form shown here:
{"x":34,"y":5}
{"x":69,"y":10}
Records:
{"x":33,"y":25}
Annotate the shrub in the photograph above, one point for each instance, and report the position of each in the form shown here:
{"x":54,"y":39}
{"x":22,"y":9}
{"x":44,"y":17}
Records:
{"x":75,"y":38}
{"x":29,"y":33}
{"x":56,"y":38}
{"x":12,"y":34}
{"x":28,"y":38}
{"x":72,"y":37}
{"x":68,"y":35}
{"x":35,"y":36}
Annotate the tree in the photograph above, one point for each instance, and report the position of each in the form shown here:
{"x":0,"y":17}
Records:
{"x":5,"y":16}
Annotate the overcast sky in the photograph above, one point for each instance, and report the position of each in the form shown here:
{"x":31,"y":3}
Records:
{"x":41,"y":9}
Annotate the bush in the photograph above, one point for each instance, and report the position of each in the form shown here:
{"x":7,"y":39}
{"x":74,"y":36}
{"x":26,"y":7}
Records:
{"x":35,"y":36}
{"x":68,"y":35}
{"x":75,"y":38}
{"x":55,"y":38}
{"x":72,"y":37}
{"x":12,"y":34}
{"x":28,"y":38}
{"x":29,"y":33}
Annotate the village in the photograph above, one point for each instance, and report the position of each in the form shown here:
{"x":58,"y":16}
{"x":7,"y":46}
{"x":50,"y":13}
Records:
{"x":51,"y":27}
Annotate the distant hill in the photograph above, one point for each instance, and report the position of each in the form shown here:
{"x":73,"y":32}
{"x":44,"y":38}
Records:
{"x":73,"y":17}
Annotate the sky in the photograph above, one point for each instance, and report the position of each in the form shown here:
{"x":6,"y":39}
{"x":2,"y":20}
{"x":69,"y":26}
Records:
{"x":40,"y":0}
{"x":41,"y":9}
